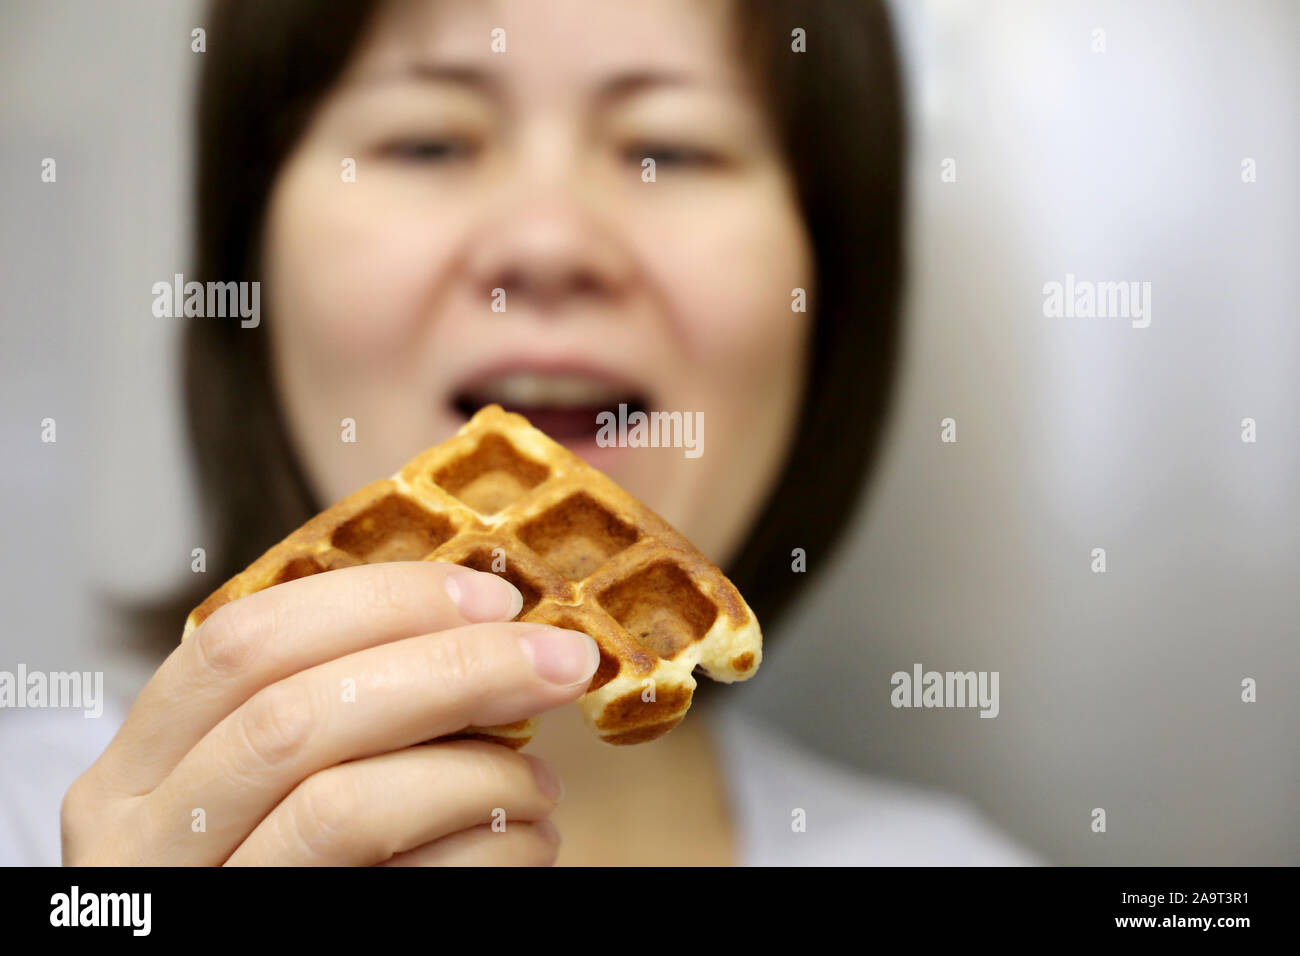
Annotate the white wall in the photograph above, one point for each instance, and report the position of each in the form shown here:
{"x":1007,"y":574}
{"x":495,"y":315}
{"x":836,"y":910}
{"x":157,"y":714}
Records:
{"x":105,"y":90}
{"x":1118,"y":691}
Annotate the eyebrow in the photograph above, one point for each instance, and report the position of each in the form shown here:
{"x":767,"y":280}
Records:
{"x":617,"y":87}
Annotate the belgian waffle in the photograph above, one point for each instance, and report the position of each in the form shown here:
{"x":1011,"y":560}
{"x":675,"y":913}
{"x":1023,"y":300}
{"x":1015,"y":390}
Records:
{"x":502,"y":496}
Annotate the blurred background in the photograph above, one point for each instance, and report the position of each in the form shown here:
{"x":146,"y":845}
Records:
{"x":1119,"y":690}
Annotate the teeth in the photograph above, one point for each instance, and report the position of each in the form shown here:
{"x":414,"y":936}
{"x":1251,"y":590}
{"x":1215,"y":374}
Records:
{"x":564,"y":391}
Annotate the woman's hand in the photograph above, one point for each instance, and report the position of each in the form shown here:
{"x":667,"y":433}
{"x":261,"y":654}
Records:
{"x":288,"y":729}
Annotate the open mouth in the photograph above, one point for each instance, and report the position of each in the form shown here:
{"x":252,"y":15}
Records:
{"x":564,"y":405}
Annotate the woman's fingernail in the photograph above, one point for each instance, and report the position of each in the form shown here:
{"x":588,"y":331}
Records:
{"x":560,"y":656}
{"x":480,"y":596}
{"x":547,"y":829}
{"x":548,"y":781}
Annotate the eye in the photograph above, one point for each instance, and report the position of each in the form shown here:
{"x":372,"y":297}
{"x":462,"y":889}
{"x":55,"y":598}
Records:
{"x":670,"y":155}
{"x":428,"y":150}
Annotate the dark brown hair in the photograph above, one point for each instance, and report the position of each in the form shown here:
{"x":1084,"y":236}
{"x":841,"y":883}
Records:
{"x":838,"y":113}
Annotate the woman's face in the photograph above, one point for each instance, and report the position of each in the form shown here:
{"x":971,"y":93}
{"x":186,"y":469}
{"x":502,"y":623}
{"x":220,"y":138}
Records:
{"x":522,"y":171}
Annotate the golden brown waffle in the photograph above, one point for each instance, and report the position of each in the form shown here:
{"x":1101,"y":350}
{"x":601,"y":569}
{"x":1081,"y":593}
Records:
{"x":502,"y":496}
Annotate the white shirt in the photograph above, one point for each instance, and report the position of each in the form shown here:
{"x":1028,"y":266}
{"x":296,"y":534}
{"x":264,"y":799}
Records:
{"x":847,"y":818}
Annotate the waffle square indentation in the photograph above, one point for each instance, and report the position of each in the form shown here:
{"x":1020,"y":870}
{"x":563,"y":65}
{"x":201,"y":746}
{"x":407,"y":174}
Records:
{"x":393,"y":529}
{"x":577,"y":535}
{"x":492,"y":477}
{"x":661,"y":608}
{"x":302,"y":566}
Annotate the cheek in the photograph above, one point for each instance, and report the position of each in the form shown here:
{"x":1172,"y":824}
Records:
{"x":731,"y":275}
{"x":349,"y":279}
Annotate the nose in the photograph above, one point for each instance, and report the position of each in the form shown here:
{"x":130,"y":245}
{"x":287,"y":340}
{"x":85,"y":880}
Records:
{"x":548,"y":244}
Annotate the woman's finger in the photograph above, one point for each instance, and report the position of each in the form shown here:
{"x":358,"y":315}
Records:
{"x":519,"y":844}
{"x":378,"y":700}
{"x":251,"y":643}
{"x":365,"y":811}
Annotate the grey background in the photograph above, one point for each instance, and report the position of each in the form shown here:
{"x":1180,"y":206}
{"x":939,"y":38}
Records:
{"x":1119,"y":691}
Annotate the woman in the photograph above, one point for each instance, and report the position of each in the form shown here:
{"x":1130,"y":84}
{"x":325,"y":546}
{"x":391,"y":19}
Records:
{"x":390,"y":169}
